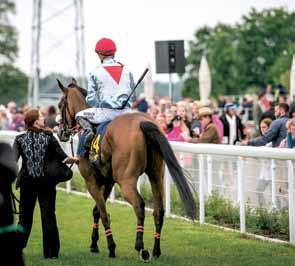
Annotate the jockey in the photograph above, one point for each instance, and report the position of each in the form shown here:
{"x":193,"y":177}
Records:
{"x":109,"y":86}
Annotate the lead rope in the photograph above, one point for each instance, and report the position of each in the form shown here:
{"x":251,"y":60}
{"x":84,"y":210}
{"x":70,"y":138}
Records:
{"x":72,"y":149}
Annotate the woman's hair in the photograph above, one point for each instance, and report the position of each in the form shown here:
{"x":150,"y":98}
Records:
{"x":266,"y":121}
{"x":30,"y":117}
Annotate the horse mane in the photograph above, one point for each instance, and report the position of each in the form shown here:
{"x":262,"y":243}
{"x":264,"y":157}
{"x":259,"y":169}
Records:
{"x":81,"y":90}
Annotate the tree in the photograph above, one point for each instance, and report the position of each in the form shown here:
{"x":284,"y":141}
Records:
{"x":13,"y":82}
{"x":8,"y":34}
{"x":265,"y":37}
{"x":219,"y":44}
{"x":243,"y":55}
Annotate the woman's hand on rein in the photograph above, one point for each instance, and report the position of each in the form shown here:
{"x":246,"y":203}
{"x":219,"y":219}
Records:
{"x":73,"y":159}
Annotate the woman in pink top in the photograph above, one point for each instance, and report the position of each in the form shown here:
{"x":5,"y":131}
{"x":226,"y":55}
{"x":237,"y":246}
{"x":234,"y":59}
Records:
{"x":179,"y":131}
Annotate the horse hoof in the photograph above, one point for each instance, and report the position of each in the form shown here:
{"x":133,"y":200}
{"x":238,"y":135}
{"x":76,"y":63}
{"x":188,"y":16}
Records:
{"x":144,"y":255}
{"x":112,"y":254}
{"x":94,"y":249}
{"x":156,"y":253}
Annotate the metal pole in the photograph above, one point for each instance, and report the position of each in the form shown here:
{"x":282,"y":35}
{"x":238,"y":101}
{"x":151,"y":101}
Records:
{"x":82,"y":44}
{"x":167,"y":193}
{"x":201,"y":188}
{"x":273,"y":184}
{"x":170,"y":87}
{"x":33,"y":30}
{"x":78,"y":70}
{"x":291,"y":202}
{"x":37,"y":49}
{"x":241,"y":193}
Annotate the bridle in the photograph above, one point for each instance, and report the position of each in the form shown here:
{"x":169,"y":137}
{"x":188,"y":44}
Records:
{"x":71,"y":131}
{"x":65,"y":126}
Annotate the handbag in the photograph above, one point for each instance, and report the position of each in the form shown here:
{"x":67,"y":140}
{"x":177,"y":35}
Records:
{"x":59,"y":171}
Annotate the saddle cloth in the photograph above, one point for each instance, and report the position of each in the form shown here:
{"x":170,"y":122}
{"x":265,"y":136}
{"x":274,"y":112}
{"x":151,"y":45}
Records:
{"x":95,"y":150}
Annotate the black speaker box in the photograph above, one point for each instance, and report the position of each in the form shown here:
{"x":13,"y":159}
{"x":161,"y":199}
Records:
{"x":170,"y":56}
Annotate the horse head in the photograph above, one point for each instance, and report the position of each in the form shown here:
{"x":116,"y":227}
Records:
{"x":71,"y":102}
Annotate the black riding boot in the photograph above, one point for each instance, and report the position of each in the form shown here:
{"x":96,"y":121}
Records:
{"x":89,"y":134}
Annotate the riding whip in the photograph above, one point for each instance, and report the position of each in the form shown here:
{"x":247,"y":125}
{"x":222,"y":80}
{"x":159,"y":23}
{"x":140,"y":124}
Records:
{"x":138,"y":82}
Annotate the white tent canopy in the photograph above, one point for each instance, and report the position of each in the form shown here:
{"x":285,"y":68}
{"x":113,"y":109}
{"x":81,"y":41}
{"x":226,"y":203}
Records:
{"x":204,"y":80}
{"x":292,"y":79}
{"x":149,"y":86}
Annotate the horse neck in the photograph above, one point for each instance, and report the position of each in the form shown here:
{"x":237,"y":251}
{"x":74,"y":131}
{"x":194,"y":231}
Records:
{"x":78,"y":102}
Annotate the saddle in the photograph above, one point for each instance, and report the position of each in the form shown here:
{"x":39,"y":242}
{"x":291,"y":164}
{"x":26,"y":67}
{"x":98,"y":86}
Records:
{"x":94,"y":153}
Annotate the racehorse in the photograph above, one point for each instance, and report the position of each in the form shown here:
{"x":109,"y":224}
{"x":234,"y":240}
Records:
{"x":132,"y":145}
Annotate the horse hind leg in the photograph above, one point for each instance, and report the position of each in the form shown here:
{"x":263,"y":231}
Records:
{"x":130,"y":194}
{"x":156,"y":178}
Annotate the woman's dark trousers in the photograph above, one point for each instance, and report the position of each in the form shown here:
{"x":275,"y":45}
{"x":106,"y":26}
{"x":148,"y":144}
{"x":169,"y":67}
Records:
{"x":46,"y":195}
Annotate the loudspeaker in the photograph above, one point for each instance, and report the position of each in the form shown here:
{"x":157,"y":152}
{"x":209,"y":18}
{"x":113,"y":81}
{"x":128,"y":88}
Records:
{"x":170,"y":57}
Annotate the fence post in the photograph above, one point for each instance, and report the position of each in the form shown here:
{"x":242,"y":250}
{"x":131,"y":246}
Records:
{"x":167,"y":193}
{"x":291,"y":202}
{"x":139,"y":180}
{"x":273,"y":184}
{"x":209,"y":173}
{"x":112,"y":196}
{"x":241,"y":196}
{"x":69,"y":186}
{"x":201,"y":188}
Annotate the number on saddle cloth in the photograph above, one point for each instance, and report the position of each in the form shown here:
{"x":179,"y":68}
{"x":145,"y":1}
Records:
{"x":95,"y":150}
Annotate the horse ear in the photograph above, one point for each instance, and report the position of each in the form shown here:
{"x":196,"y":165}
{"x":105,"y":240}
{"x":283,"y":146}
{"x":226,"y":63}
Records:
{"x":74,"y":81}
{"x":61,"y":86}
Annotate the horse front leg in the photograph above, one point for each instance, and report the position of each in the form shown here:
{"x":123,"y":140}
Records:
{"x":98,"y":193}
{"x":95,"y":227}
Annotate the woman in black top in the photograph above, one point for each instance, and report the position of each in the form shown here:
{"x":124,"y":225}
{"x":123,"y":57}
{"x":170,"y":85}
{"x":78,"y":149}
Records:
{"x":37,"y":146}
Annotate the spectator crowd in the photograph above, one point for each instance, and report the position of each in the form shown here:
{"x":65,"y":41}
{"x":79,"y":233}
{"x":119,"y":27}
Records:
{"x":222,"y":121}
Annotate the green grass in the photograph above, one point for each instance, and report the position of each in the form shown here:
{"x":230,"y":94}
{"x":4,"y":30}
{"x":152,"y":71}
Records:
{"x":183,"y":243}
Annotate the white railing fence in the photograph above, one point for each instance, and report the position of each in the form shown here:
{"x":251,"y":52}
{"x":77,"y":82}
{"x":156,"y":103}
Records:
{"x":248,"y":176}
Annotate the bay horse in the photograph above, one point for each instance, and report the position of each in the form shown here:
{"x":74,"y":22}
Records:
{"x":132,"y":145}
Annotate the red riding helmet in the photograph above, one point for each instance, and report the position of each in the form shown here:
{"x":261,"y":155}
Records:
{"x":105,"y":47}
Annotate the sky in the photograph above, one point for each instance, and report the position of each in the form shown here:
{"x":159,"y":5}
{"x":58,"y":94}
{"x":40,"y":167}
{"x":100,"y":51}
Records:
{"x":134,"y":25}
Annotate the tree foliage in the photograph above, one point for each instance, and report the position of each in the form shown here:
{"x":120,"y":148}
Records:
{"x":13,"y":82}
{"x":8,"y":34}
{"x":252,"y":53}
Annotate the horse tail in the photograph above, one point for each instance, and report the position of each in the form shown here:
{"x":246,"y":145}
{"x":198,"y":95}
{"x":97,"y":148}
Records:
{"x":160,"y":142}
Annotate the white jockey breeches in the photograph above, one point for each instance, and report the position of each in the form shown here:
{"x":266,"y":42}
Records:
{"x":100,"y":115}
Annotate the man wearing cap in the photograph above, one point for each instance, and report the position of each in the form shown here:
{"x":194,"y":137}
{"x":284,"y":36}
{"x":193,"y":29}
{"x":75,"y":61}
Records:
{"x":209,"y":132}
{"x":109,"y":86}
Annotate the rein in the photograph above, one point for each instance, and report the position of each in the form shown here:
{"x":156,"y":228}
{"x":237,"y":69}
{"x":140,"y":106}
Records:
{"x":13,"y":200}
{"x":70,"y":131}
{"x":72,"y":147}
